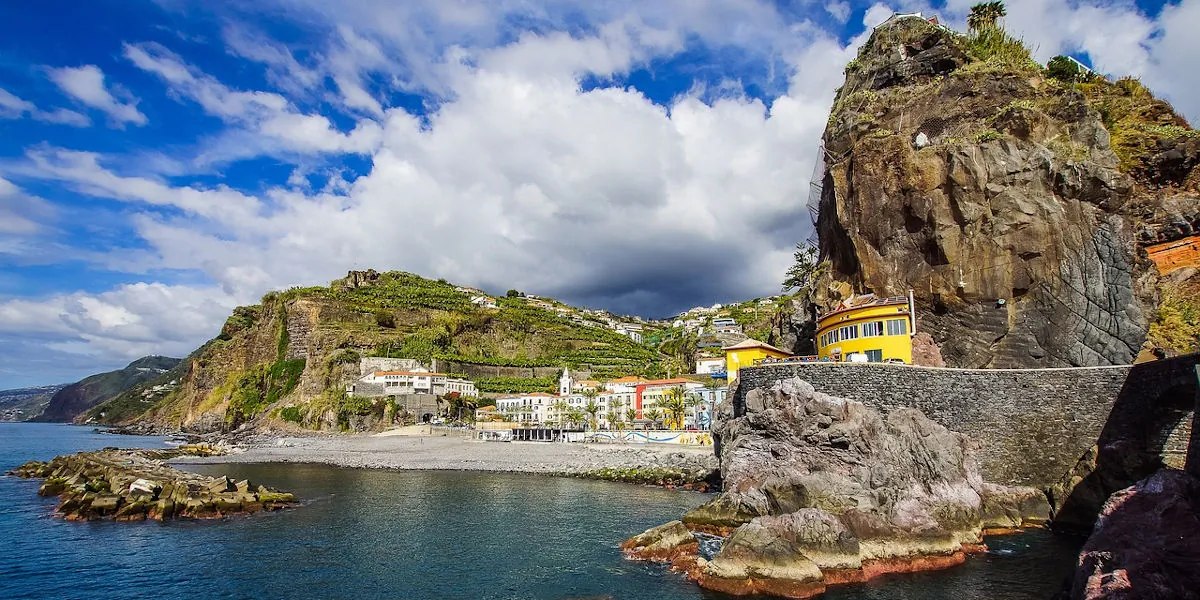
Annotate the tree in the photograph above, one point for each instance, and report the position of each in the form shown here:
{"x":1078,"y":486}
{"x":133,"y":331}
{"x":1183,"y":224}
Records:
{"x":513,"y":294}
{"x":631,"y":417}
{"x":592,"y":409}
{"x":1063,"y":69}
{"x":804,"y":273}
{"x":385,"y":318}
{"x":457,"y":404}
{"x":675,"y":404}
{"x":985,"y":15}
{"x":576,"y":416}
{"x":653,"y":415}
{"x":560,"y":411}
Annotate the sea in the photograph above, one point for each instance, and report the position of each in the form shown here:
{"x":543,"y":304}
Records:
{"x":364,"y":534}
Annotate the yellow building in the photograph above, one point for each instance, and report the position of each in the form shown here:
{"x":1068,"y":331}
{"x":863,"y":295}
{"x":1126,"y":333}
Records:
{"x":867,"y":329}
{"x":747,"y":353}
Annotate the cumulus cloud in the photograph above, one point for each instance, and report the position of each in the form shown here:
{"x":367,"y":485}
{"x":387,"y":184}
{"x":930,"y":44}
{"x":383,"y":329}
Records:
{"x":86,"y":84}
{"x":92,"y":332}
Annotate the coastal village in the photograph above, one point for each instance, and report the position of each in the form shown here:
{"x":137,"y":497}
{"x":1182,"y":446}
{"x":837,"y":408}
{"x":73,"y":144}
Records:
{"x":994,"y":332}
{"x":861,"y":329}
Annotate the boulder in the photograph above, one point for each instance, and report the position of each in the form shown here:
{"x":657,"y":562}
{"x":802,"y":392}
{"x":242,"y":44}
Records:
{"x":821,"y":490}
{"x":662,"y":543}
{"x":1145,"y":545}
{"x":761,"y":560}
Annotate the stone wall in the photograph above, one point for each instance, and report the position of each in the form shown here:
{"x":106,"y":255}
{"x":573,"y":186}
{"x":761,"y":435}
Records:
{"x":476,"y":370}
{"x":1032,"y":425}
{"x":370,"y":364}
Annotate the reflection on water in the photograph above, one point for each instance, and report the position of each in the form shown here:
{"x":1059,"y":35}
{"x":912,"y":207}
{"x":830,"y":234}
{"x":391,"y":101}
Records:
{"x":380,"y":534}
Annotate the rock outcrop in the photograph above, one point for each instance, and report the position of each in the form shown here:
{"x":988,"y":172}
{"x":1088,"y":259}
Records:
{"x":994,"y":193}
{"x":1146,"y":543}
{"x":821,"y":490}
{"x":135,"y":485}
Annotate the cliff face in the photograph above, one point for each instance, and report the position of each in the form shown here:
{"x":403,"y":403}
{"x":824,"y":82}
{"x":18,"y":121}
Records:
{"x":957,"y":169}
{"x":77,"y":398}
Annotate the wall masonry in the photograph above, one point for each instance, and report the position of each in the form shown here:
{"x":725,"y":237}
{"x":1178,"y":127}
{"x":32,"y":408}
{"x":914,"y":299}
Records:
{"x":1032,"y":425}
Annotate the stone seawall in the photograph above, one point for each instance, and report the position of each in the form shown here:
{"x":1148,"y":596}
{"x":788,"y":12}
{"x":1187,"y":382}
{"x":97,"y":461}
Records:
{"x":1032,"y":425}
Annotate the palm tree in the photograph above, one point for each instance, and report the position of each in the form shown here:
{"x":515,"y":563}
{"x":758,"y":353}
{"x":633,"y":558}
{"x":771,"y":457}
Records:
{"x":654,"y":415}
{"x":631,"y":417}
{"x":576,"y":416}
{"x":670,"y":404}
{"x":560,"y":408}
{"x":985,"y":15}
{"x":592,"y":408}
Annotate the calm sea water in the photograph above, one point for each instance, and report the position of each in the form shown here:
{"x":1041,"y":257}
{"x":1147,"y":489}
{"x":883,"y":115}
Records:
{"x":375,"y":534}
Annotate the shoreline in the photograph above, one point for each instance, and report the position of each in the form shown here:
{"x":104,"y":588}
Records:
{"x":452,"y":453}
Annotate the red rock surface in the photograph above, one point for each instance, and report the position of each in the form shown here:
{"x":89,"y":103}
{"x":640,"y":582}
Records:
{"x":1146,"y":544}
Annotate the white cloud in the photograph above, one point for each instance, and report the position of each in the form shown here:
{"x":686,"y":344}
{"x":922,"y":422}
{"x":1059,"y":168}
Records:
{"x":264,"y":122}
{"x":122,"y":324}
{"x":840,"y":11}
{"x":12,"y":107}
{"x":86,"y":84}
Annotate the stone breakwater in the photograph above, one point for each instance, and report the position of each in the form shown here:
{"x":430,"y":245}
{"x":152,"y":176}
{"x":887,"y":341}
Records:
{"x":135,"y":485}
{"x":820,"y":490}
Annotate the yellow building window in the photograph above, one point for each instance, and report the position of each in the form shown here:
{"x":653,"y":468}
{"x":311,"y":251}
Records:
{"x":872,"y":329}
{"x":897,"y":327}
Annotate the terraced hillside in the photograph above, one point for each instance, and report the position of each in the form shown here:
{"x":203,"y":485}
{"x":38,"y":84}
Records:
{"x":300,"y":348}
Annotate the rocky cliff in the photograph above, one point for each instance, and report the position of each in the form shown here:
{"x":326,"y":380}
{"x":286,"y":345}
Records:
{"x":290,"y":357}
{"x":79,"y":397}
{"x":1013,"y":204}
{"x":819,"y":490}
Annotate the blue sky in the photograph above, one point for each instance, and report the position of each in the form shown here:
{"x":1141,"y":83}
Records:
{"x":163,"y":161}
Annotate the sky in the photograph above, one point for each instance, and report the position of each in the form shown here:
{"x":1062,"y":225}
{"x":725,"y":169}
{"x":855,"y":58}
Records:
{"x":164,"y":161}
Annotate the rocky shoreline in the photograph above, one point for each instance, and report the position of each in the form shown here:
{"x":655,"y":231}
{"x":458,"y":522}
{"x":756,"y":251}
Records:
{"x":135,"y":485}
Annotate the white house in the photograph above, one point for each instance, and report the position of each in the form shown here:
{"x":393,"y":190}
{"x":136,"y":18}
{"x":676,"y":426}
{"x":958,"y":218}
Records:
{"x":708,"y":366}
{"x":484,"y":301}
{"x":399,"y":383}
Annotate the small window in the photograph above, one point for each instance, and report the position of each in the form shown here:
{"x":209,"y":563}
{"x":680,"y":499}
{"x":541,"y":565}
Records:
{"x":850,"y":332}
{"x":874,"y":355}
{"x":897,"y":327}
{"x":872,"y":329}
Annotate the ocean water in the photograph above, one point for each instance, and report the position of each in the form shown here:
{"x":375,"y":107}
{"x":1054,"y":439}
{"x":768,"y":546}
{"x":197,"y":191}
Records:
{"x":391,"y":535}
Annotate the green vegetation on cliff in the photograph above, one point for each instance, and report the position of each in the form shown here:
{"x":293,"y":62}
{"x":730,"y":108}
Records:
{"x":292,"y":356}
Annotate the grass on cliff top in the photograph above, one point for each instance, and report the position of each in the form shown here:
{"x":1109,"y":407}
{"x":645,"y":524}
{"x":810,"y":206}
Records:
{"x":994,"y":50}
{"x":1135,"y":119}
{"x":1177,"y":327}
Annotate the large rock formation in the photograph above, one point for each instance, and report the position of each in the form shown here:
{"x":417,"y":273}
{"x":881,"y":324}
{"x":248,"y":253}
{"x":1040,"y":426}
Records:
{"x":1146,"y":543}
{"x":994,"y":193}
{"x":821,"y":490}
